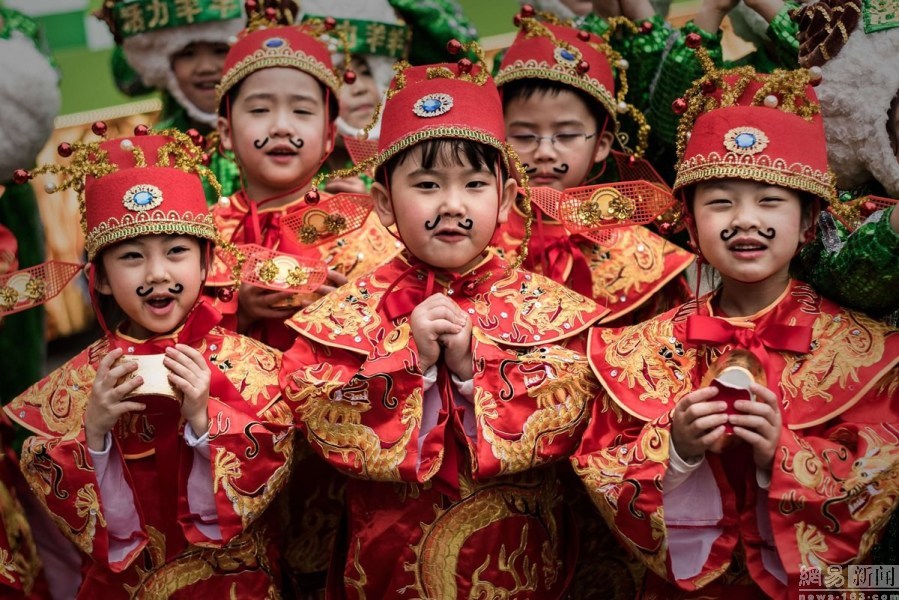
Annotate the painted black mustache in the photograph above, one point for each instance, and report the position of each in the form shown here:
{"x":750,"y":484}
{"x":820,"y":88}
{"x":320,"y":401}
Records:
{"x":143,"y":293}
{"x":562,"y":169}
{"x":768,"y":234}
{"x":529,"y":169}
{"x":467,"y":224}
{"x":296,"y":143}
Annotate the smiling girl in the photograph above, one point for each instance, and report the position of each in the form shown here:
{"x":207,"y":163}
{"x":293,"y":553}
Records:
{"x":143,"y":460}
{"x":740,"y":498}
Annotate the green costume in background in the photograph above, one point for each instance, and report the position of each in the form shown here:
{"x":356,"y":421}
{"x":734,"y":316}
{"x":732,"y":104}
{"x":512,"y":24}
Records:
{"x":29,"y":101}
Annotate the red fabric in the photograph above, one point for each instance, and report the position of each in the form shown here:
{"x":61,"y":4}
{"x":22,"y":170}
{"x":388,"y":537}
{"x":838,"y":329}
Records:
{"x":432,"y":510}
{"x":832,"y":483}
{"x":249,"y":443}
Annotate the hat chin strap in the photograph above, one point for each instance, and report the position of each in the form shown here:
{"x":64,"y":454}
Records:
{"x":193,"y":111}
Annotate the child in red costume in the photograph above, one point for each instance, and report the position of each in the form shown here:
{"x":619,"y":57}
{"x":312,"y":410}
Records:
{"x":158,"y":447}
{"x":447,"y":381}
{"x":742,"y":498}
{"x":277,"y":105}
{"x":562,"y":114}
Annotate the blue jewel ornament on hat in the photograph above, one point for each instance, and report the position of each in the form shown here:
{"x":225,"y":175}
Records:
{"x":433,"y":105}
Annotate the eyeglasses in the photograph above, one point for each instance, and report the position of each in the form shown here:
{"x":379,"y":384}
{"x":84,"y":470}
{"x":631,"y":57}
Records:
{"x":528,"y":142}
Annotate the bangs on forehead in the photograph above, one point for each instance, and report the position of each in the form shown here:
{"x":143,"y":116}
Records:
{"x":452,"y":153}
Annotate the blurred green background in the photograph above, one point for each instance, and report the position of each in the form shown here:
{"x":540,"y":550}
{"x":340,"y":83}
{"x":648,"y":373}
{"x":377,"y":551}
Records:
{"x":77,"y":42}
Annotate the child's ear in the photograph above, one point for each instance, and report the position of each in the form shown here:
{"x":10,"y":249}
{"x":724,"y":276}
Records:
{"x":807,"y":222}
{"x":507,"y":199}
{"x":101,"y":284}
{"x":224,"y":128}
{"x":603,"y":146}
{"x":383,"y":205}
{"x":331,"y":137}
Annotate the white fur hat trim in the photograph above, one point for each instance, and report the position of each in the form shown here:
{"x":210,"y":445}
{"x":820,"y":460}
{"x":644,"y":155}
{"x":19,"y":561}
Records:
{"x":29,"y":101}
{"x":858,"y":87}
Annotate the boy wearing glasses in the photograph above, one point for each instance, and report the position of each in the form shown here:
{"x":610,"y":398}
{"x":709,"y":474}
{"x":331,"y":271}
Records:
{"x":561,"y":107}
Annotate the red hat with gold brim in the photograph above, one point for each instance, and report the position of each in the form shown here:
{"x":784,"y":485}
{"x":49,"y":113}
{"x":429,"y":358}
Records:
{"x":564,"y":55}
{"x":441,"y":101}
{"x":291,"y":46}
{"x":739,"y":124}
{"x":145,"y":194}
{"x":134,"y":186}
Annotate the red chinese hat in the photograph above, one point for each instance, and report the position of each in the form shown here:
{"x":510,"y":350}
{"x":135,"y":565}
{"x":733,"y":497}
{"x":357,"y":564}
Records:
{"x":133,"y":186}
{"x":441,"y":101}
{"x":742,"y":124}
{"x":550,"y":49}
{"x":264,"y":44}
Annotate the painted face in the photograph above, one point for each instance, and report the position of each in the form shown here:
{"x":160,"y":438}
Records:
{"x":198,"y":69}
{"x":155,"y":280}
{"x":748,"y":231}
{"x":446,"y":214}
{"x":358,"y":101}
{"x":556,"y":137}
{"x":279,"y":131}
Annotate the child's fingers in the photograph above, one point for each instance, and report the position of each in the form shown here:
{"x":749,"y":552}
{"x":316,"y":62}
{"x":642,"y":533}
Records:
{"x":444,"y":326}
{"x":711,"y":437}
{"x":128,"y":406}
{"x":107,"y":362}
{"x":180,"y":382}
{"x":193,"y":355}
{"x":182,"y":370}
{"x":120,"y":370}
{"x":701,"y":395}
{"x":749,"y":436}
{"x":120,"y":391}
{"x":711,"y":421}
{"x":764,"y":394}
{"x":335,"y":278}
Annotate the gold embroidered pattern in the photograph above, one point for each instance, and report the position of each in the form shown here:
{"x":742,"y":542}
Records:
{"x":561,"y":72}
{"x":335,"y":423}
{"x":443,"y":540}
{"x":561,"y":398}
{"x":853,"y":342}
{"x":267,"y":58}
{"x":254,"y":367}
{"x":647,"y":357}
{"x":148,"y":223}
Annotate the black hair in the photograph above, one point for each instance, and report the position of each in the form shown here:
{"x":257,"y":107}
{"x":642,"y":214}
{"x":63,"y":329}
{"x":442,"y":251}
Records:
{"x":230,"y":98}
{"x":524,"y":89}
{"x":444,"y":151}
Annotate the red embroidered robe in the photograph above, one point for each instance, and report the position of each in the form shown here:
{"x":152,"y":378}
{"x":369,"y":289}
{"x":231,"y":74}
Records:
{"x":450,"y":498}
{"x":636,"y":277}
{"x":250,"y":443}
{"x":834,"y":478}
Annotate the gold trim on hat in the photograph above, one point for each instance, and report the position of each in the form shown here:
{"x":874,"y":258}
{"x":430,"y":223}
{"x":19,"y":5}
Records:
{"x":281,"y":57}
{"x":759,"y":168}
{"x":560,"y":72}
{"x":157,"y":222}
{"x":440,"y":132}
